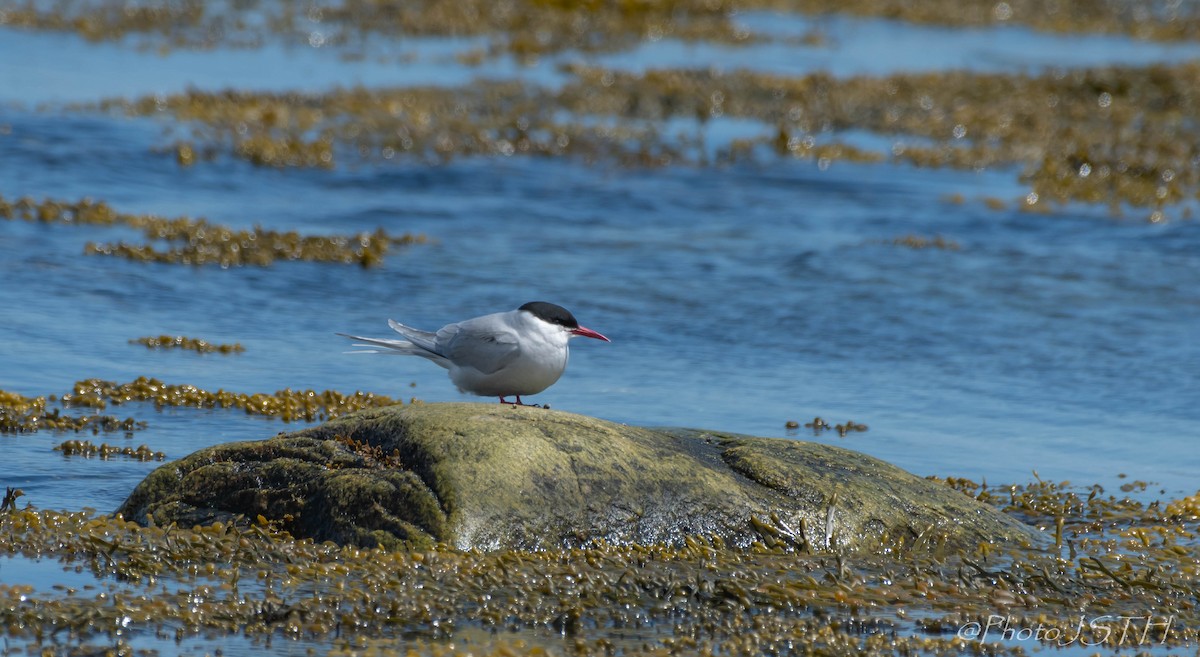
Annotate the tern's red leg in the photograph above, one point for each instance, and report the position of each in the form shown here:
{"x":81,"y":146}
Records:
{"x":516,"y":403}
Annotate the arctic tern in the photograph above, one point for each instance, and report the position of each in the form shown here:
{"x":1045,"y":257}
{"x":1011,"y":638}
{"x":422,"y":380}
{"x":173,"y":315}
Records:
{"x":514,"y":353}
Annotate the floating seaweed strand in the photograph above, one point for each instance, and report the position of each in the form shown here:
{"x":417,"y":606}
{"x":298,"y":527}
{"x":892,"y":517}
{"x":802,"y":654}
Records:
{"x":198,"y":242}
{"x":20,"y":414}
{"x":287,"y":404}
{"x":189,"y":344}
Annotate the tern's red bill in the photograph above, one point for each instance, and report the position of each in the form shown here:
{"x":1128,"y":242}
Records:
{"x":588,"y":333}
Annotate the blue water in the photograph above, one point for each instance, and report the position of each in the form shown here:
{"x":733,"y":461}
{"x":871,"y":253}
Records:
{"x":737,"y":298}
{"x":848,"y":46}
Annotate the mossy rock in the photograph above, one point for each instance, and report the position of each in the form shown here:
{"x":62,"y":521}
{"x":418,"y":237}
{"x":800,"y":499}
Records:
{"x":488,"y":476}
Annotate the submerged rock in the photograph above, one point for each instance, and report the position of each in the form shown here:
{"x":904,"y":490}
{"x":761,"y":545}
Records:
{"x":488,"y":476}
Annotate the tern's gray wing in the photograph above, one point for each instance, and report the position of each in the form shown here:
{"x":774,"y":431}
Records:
{"x":484,"y":346}
{"x":423,"y":339}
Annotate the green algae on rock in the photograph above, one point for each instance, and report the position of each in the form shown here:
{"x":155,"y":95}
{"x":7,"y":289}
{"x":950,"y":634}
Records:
{"x":491,"y":477}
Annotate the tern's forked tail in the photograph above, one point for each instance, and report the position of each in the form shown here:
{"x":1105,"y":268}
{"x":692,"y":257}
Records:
{"x":393,"y":347}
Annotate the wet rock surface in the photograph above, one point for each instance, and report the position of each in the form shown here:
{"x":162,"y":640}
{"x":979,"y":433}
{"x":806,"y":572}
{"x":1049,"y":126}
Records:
{"x":488,"y":476}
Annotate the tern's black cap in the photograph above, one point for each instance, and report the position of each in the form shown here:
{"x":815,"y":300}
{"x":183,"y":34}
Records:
{"x":551,"y":313}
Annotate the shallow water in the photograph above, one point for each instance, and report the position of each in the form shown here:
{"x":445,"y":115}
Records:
{"x":845,"y":46}
{"x":736,"y":298}
{"x":62,"y":68}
